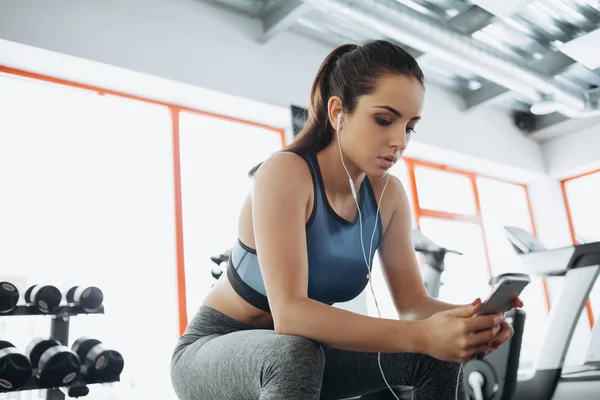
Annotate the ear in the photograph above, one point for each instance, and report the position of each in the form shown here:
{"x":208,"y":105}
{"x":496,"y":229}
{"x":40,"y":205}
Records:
{"x":334,"y":108}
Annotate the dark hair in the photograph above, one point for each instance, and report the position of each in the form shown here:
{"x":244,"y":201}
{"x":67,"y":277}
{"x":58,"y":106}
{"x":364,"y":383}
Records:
{"x":349,"y":72}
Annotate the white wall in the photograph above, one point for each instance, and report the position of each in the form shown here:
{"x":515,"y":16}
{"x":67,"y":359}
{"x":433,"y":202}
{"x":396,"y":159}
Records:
{"x":572,"y":154}
{"x":192,"y":42}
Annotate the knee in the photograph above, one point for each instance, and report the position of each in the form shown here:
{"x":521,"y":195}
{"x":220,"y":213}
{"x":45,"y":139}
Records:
{"x":428,"y":368}
{"x":297,"y":352}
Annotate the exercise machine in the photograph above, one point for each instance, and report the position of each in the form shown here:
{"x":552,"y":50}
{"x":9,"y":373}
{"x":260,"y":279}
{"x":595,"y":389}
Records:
{"x":579,"y":265}
{"x":434,"y":256}
{"x":495,"y":377}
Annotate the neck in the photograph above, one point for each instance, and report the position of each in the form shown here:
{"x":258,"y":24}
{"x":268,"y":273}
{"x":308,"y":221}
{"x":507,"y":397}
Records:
{"x":333,"y":172}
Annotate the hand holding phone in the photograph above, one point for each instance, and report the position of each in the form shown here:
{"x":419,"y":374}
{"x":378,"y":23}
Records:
{"x":504,"y":294}
{"x":503,"y":297}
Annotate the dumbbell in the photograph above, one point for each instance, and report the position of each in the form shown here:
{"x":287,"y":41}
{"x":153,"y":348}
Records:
{"x":57,"y":364}
{"x":99,"y":364}
{"x":89,"y":299}
{"x":15,"y":368}
{"x":9,"y":297}
{"x":44,"y":298}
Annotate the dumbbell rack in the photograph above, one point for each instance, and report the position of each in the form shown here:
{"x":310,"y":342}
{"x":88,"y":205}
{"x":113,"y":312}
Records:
{"x":59,"y":330}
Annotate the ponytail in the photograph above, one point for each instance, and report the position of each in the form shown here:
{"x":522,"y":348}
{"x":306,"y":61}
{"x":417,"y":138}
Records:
{"x":349,"y":72}
{"x":317,"y":133}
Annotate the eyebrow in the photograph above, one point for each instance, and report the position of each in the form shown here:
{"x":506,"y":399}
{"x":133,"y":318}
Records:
{"x":397,"y":113}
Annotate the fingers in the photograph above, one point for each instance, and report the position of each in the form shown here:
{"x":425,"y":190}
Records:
{"x":483,"y":337}
{"x":518,"y":303}
{"x":467,"y":310}
{"x":506,"y":332}
{"x":469,"y":354}
{"x":483,"y":322}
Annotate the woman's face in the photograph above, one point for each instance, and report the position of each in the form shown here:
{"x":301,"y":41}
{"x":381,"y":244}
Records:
{"x":376,"y":134}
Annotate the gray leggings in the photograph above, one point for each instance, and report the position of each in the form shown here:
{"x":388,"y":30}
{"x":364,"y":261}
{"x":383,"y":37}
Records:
{"x":218,"y":358}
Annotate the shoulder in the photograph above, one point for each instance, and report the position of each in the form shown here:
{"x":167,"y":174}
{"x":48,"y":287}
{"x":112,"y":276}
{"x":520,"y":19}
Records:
{"x":284,"y":170}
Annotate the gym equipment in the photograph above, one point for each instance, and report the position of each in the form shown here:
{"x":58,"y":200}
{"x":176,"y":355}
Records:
{"x":45,"y":298}
{"x":99,"y":364}
{"x":434,"y":261}
{"x":221,"y":261}
{"x":57,"y":365}
{"x":9,"y":297}
{"x":53,"y":366}
{"x":88,"y":298}
{"x":580,"y":267}
{"x":15,"y":368}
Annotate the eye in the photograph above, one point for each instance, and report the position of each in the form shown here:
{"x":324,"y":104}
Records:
{"x":410,"y":130}
{"x":382,"y":121}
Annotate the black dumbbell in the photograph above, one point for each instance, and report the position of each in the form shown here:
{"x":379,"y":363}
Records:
{"x":9,"y":297}
{"x":88,"y":298}
{"x":15,"y":368}
{"x":44,"y":298}
{"x":99,"y":364}
{"x":57,"y":364}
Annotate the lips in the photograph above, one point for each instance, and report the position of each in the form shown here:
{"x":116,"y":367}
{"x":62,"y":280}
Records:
{"x":391,"y":159}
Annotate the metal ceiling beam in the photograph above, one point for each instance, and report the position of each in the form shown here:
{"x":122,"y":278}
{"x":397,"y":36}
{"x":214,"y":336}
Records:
{"x":282,"y":17}
{"x":551,"y":65}
{"x":472,"y":20}
{"x":487,"y":92}
{"x":554,"y":63}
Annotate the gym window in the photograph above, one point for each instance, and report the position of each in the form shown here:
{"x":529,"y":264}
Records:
{"x":464,"y":211}
{"x":96,"y":187}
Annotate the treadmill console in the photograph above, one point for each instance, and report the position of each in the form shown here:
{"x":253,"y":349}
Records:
{"x":522,"y":241}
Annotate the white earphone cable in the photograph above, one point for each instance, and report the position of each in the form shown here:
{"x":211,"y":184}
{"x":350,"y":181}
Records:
{"x":367,"y":263}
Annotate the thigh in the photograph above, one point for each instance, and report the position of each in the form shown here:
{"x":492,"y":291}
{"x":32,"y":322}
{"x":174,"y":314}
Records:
{"x":242,"y":365}
{"x":351,"y":373}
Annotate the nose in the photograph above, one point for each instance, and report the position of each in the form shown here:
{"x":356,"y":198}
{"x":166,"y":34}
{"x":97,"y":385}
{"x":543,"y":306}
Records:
{"x":399,"y":139}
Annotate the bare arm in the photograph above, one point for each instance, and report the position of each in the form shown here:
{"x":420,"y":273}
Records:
{"x":399,"y":262}
{"x":282,"y":190}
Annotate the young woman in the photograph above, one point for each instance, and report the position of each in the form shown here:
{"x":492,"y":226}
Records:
{"x":307,"y":236}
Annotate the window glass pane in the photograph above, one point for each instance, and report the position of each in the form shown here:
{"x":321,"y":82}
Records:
{"x":445,"y":191}
{"x":87,"y":199}
{"x":216,"y":155}
{"x":465,"y":276}
{"x":584,"y":197}
{"x":505,"y":204}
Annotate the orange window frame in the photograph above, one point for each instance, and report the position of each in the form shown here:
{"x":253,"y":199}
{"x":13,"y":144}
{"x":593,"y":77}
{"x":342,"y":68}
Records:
{"x":563,"y":186}
{"x":175,"y":110}
{"x":420,"y":212}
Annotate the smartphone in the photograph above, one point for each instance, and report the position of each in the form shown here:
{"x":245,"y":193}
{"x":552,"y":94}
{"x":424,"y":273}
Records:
{"x":505,"y":292}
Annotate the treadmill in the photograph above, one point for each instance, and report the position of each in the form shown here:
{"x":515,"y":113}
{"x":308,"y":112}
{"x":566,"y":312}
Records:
{"x":580,"y":266}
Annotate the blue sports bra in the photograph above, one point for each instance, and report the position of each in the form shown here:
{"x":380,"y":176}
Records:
{"x":336,"y":265}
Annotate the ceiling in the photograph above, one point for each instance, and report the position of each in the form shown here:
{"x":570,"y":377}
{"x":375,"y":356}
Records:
{"x":557,"y":39}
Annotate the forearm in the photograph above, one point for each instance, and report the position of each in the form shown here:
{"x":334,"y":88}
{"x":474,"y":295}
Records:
{"x":424,"y":307}
{"x":347,"y":330}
